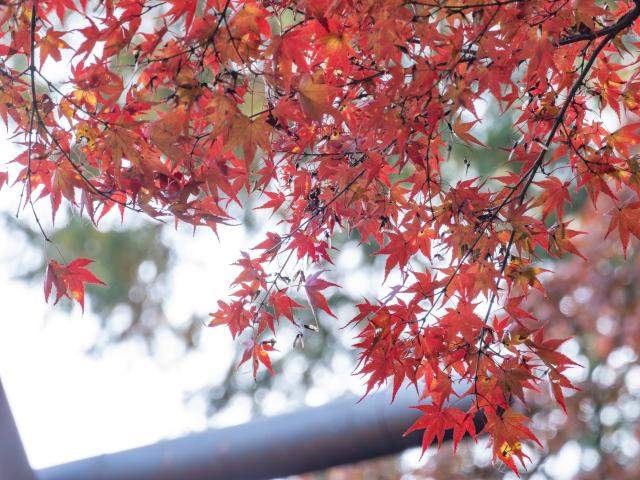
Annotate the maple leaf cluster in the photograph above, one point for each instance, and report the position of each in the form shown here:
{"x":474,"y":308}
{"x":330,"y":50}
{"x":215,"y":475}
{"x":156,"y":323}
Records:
{"x":340,"y":116}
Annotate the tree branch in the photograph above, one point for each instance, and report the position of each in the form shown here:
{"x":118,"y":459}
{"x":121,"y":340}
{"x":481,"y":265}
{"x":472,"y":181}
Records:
{"x":624,"y":22}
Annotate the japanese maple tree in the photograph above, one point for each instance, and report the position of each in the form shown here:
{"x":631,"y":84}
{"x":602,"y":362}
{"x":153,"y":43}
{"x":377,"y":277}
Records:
{"x":340,"y":115}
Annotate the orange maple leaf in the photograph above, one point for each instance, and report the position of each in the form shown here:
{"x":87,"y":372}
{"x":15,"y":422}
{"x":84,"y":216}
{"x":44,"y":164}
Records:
{"x":462,"y":131}
{"x":623,"y":138}
{"x":167,"y":134}
{"x":50,"y":46}
{"x":250,"y":134}
{"x":316,"y":99}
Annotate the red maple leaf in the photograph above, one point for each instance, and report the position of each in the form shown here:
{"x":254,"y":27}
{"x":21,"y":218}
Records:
{"x":553,"y":196}
{"x":627,"y":220}
{"x":313,"y":286}
{"x":258,"y":352}
{"x":69,"y":280}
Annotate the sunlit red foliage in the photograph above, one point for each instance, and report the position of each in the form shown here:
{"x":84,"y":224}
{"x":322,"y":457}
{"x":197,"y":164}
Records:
{"x":597,"y":304}
{"x":340,"y":115}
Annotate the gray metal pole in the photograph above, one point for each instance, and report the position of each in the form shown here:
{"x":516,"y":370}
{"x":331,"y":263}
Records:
{"x":311,"y":439}
{"x":13,"y":460}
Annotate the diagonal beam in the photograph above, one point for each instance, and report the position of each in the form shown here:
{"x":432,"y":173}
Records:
{"x":13,"y":460}
{"x":311,"y":439}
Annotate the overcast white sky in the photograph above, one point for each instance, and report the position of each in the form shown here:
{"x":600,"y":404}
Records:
{"x":69,"y":405}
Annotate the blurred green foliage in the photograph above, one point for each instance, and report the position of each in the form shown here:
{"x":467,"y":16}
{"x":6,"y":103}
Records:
{"x":134,"y":262}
